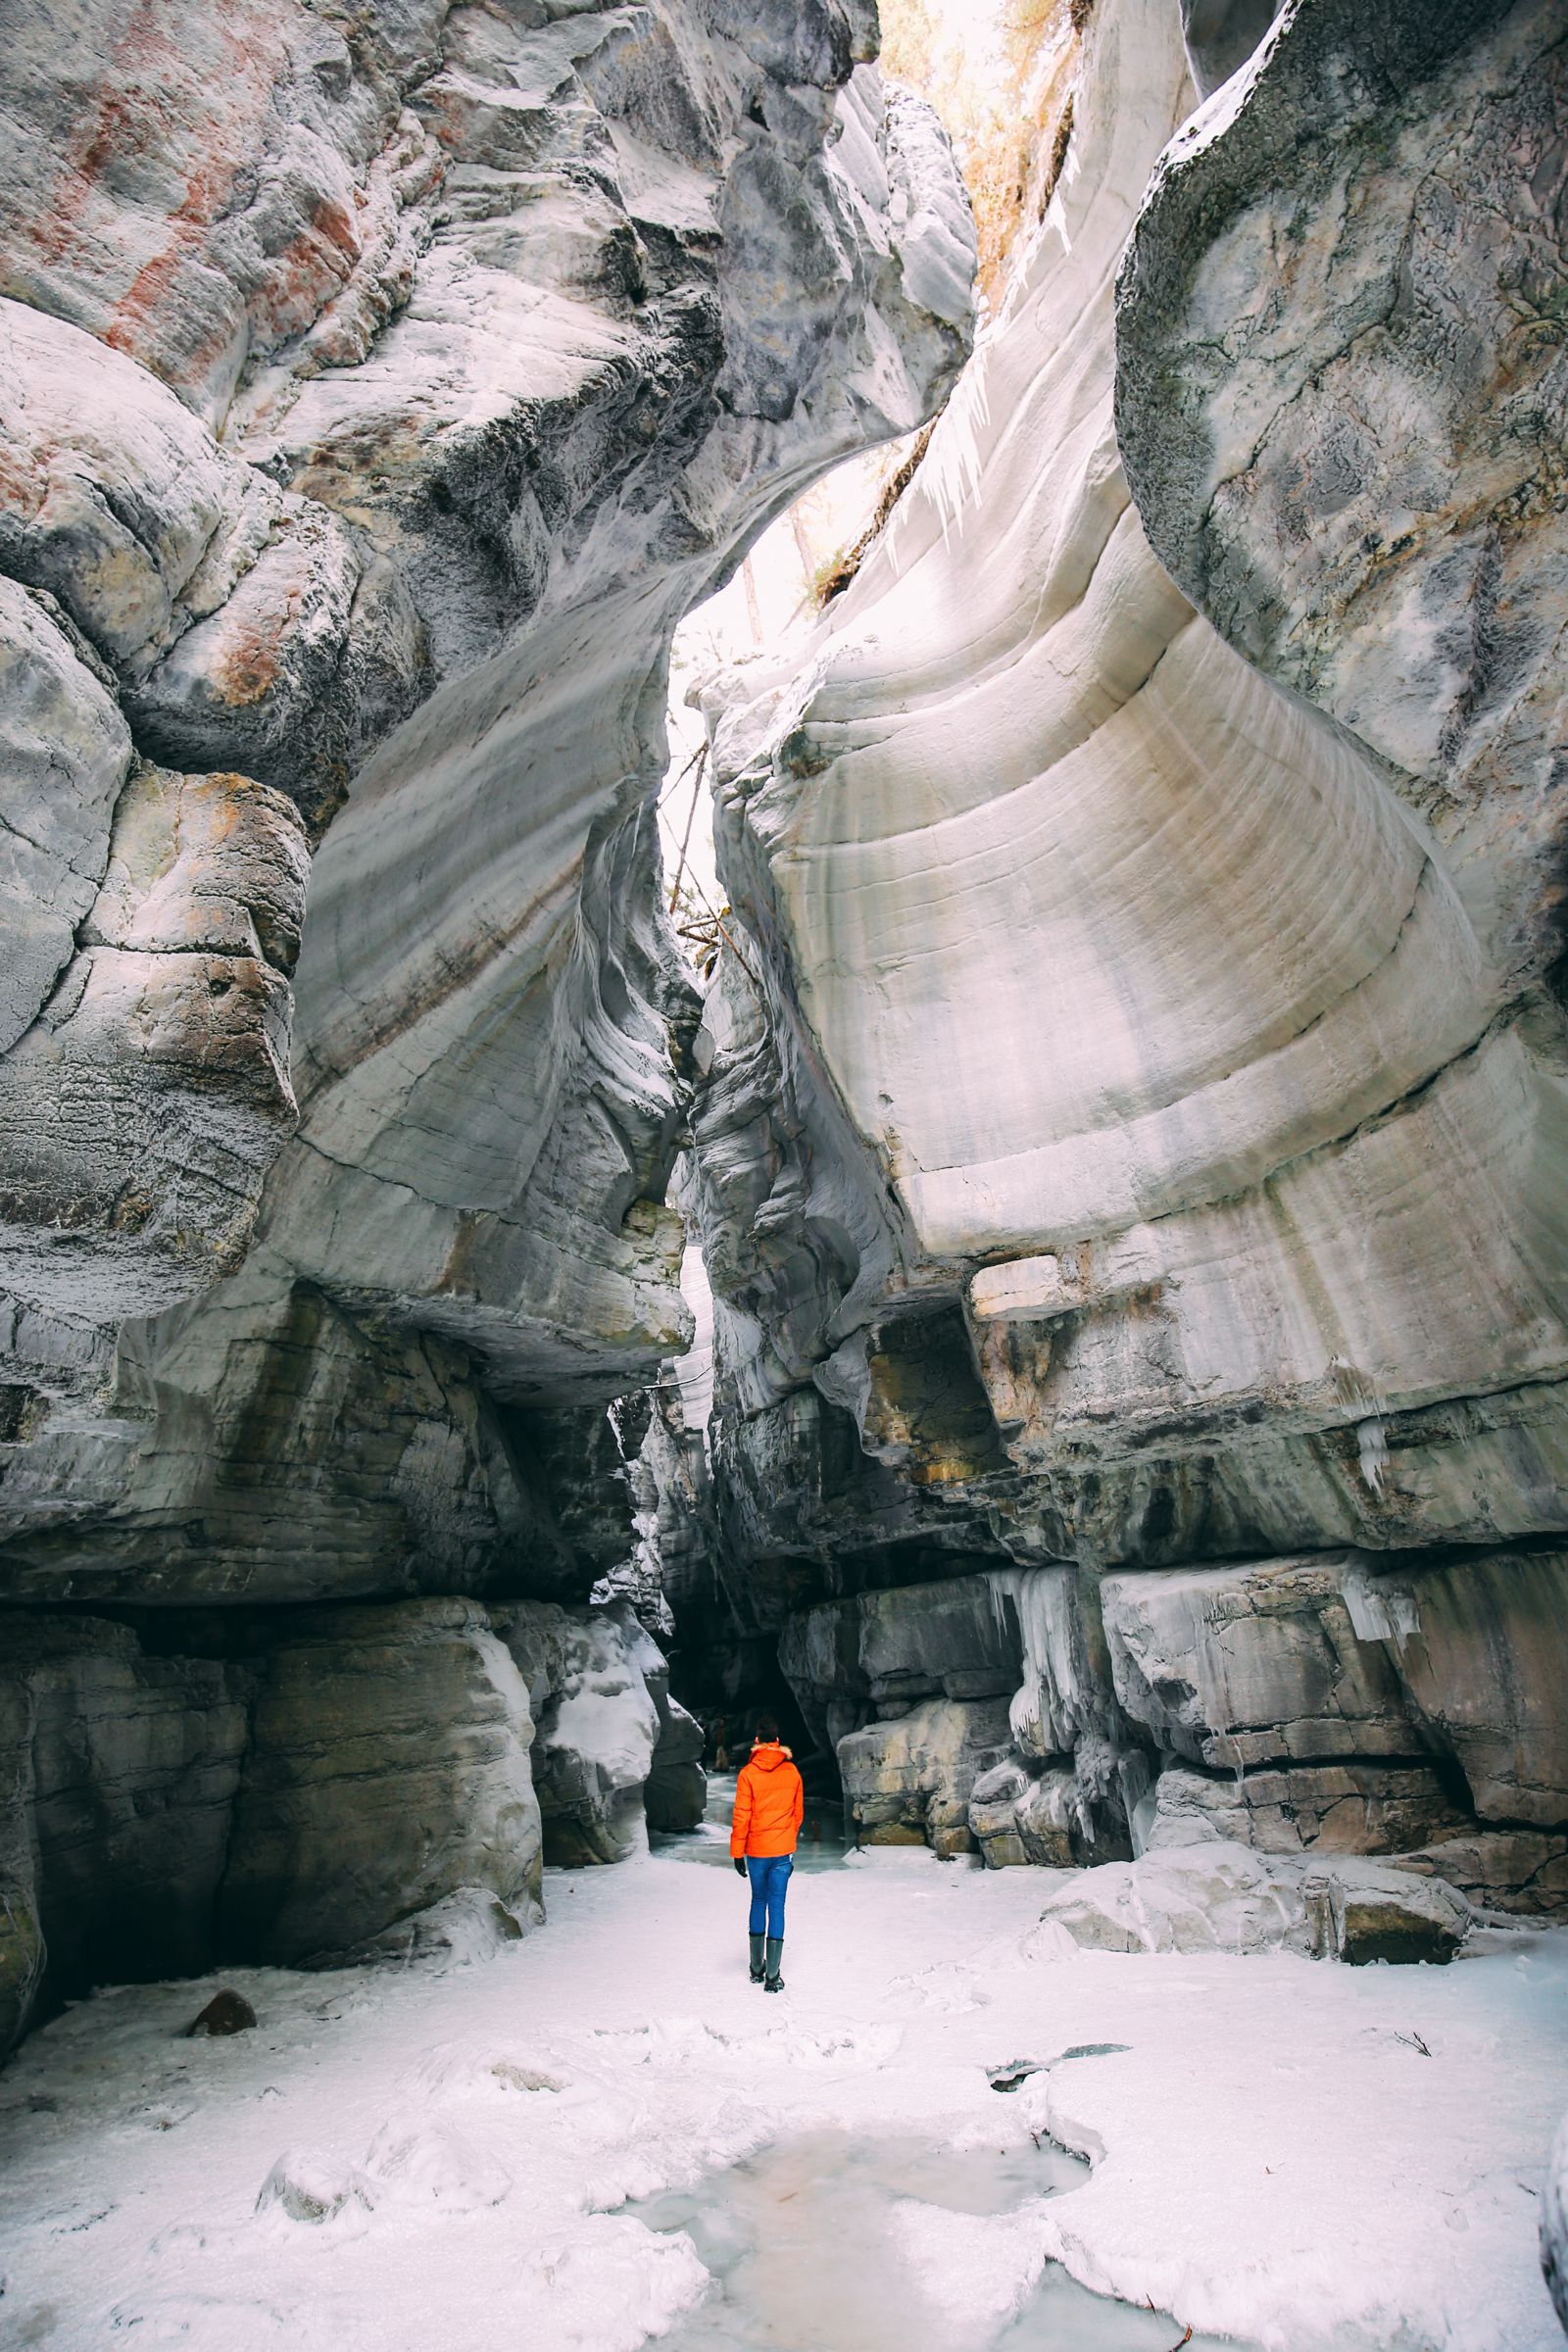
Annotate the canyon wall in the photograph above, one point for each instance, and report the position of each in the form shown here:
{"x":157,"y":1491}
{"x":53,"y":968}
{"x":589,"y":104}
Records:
{"x":379,"y":388}
{"x":1132,"y":1142}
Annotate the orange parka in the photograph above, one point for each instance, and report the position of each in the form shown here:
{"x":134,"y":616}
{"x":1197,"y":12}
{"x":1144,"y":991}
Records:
{"x":769,"y":1801}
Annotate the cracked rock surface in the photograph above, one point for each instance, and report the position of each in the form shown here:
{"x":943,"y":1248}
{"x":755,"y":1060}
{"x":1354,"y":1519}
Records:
{"x":379,"y":387}
{"x":1132,"y":1135}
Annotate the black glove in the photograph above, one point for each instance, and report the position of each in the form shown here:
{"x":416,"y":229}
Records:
{"x":740,"y":1867}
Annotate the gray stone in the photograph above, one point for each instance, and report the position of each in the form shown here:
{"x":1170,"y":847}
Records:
{"x":22,"y":1945}
{"x":67,"y":753}
{"x":1222,"y":1897}
{"x":1519,"y":1870}
{"x":135,"y":1760}
{"x":908,"y":1779}
{"x":145,"y":1104}
{"x":227,"y":2012}
{"x":1355,"y":1808}
{"x":1239,"y":1666}
{"x":1340,"y":460}
{"x":597,"y":1726}
{"x":401,"y":526}
{"x":847,"y":1659}
{"x":387,"y":1767}
{"x":1476,"y":1645}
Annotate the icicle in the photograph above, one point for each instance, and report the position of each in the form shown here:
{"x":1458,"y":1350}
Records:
{"x":1372,"y":1445}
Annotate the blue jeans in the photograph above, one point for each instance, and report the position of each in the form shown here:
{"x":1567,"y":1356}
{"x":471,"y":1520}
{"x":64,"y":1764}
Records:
{"x":769,"y":1875}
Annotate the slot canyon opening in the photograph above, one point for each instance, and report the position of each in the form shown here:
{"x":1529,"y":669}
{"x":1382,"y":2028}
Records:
{"x":781,"y":935}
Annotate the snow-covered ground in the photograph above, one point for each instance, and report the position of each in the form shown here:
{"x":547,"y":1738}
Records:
{"x":1306,"y":2155}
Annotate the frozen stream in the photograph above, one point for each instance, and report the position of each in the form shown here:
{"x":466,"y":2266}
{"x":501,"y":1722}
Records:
{"x":1303,"y":2157}
{"x":835,"y":2240}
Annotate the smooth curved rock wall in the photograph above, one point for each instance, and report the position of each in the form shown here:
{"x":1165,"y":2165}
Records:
{"x":382,"y":390}
{"x":1133,"y":1131}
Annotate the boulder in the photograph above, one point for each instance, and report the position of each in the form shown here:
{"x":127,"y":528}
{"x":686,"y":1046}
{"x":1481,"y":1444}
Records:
{"x":307,"y":2186}
{"x":1223,"y":1897}
{"x":227,"y":2012}
{"x":1384,"y":1919}
{"x":908,"y":1781}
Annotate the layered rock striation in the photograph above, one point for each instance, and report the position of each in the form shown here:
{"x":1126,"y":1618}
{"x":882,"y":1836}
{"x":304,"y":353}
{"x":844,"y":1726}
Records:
{"x":315,"y":1787}
{"x":378,"y":469}
{"x":1132,"y":1136}
{"x":380,"y":386}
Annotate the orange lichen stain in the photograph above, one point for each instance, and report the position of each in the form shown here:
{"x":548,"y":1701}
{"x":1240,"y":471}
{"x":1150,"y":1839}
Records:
{"x":248,"y":671}
{"x":154,"y":77}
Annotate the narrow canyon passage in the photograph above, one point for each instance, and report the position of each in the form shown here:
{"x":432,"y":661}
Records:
{"x":1303,"y":2157}
{"x":784,"y":988}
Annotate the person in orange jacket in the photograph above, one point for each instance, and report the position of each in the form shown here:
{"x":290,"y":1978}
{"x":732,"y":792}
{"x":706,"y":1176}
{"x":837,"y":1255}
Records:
{"x":770,"y":1802}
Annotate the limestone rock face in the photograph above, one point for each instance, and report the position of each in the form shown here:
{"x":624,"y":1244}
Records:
{"x":1475,"y":1643}
{"x":379,"y":396}
{"x":387,"y":1770}
{"x":313,"y":1787}
{"x":1340,"y":460}
{"x":1134,"y":1119}
{"x":135,"y":1765}
{"x":1350,"y":1808}
{"x":1239,"y":1666}
{"x":848,"y":1659}
{"x":908,"y":1781}
{"x":1120,"y":1164}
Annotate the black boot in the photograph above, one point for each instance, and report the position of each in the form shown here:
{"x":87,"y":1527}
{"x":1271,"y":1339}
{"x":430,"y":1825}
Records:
{"x":757,"y":1959}
{"x":774,"y":1982}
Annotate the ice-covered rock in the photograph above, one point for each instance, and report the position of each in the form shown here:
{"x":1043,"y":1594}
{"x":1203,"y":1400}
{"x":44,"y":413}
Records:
{"x":417,"y":2163}
{"x":1223,"y":1897}
{"x":612,"y":1750}
{"x":307,"y":2186}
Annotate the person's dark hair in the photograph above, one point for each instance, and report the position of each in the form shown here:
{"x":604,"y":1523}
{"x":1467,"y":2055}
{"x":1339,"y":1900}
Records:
{"x":768,"y":1727}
